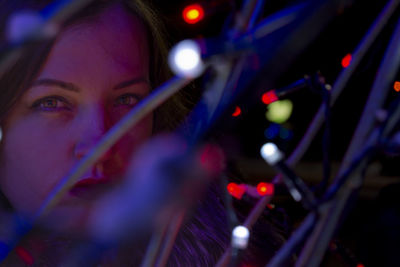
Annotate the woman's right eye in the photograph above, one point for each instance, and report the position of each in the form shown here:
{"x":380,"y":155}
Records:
{"x":51,"y":103}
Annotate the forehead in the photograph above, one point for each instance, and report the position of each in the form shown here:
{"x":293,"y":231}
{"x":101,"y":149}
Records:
{"x":111,"y":45}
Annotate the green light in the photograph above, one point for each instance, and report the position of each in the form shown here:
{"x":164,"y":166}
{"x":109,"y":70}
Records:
{"x":279,"y":111}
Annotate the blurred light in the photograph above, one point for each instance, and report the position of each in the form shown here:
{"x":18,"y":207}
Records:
{"x":236,"y":190}
{"x":360,"y":265}
{"x":237,"y":112}
{"x":285,"y":134}
{"x":279,"y":111}
{"x":1,"y":134}
{"x":396,"y":86}
{"x":269,"y":97}
{"x":346,"y":61}
{"x":185,"y":59}
{"x":271,"y":153}
{"x":265,"y":189}
{"x":272,"y":131}
{"x":240,"y":237}
{"x":25,"y":256}
{"x":193,"y":13}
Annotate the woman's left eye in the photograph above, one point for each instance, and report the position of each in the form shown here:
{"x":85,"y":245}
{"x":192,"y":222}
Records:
{"x":127,"y":100}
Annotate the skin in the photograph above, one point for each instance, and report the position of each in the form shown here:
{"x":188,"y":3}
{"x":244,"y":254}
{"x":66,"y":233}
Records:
{"x":95,"y":73}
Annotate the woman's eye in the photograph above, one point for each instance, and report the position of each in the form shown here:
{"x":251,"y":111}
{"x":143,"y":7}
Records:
{"x":51,"y":103}
{"x":127,"y":100}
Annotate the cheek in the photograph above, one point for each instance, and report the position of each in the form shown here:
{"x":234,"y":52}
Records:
{"x":33,"y":159}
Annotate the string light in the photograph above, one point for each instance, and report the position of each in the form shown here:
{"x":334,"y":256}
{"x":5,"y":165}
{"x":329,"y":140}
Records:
{"x":240,"y":237}
{"x":271,"y":153}
{"x":279,"y":111}
{"x":193,"y":13}
{"x":396,"y":86}
{"x":237,"y":112}
{"x":346,"y":60}
{"x":235,"y":190}
{"x":269,"y":97}
{"x":265,"y":189}
{"x":185,"y":59}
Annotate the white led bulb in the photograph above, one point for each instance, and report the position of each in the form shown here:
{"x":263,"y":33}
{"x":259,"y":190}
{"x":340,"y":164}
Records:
{"x":240,"y":237}
{"x":271,"y":153}
{"x":185,"y":59}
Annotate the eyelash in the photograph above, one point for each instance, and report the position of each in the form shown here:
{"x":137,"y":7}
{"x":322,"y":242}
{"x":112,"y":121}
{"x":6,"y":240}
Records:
{"x":120,"y":98}
{"x":39,"y":104}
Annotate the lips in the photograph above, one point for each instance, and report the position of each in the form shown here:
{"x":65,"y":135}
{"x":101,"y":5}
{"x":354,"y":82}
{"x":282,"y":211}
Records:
{"x":89,"y":188}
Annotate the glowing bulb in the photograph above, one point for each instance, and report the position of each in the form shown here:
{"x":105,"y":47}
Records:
{"x":396,"y":86}
{"x":237,"y":112}
{"x":185,"y":59}
{"x":193,"y":13}
{"x":265,"y":189}
{"x":240,"y":237}
{"x":271,"y":153}
{"x":279,"y":111}
{"x":346,"y":61}
{"x":235,"y":190}
{"x":269,"y":97}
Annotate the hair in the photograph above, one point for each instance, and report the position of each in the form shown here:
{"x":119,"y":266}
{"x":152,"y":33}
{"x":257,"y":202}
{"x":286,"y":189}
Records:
{"x":201,"y":240}
{"x":19,"y":76}
{"x":204,"y":238}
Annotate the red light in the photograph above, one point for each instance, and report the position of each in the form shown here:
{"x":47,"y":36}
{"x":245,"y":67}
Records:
{"x":346,"y":61}
{"x":396,"y":86}
{"x":236,"y":190}
{"x":360,"y":265}
{"x":237,"y":112}
{"x":265,"y":189}
{"x":24,"y":255}
{"x":269,"y":97}
{"x":193,"y":13}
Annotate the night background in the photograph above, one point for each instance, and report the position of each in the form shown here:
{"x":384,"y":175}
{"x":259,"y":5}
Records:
{"x":358,"y":240}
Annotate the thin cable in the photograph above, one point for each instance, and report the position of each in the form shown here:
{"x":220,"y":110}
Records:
{"x":315,"y":247}
{"x":316,"y":123}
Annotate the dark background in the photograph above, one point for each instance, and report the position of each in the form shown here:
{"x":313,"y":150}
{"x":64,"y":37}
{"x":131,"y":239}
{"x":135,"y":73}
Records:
{"x":369,"y":232}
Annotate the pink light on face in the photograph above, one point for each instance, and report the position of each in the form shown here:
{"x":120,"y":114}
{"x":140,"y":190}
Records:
{"x":269,"y":97}
{"x":346,"y":61}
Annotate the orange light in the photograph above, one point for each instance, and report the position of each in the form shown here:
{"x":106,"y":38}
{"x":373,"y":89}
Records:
{"x":237,"y":112}
{"x":346,"y":61}
{"x":236,"y":190}
{"x":193,"y":13}
{"x":396,"y":86}
{"x":269,"y":97}
{"x":265,"y":189}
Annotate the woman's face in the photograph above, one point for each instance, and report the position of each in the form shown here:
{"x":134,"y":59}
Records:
{"x":95,"y":73}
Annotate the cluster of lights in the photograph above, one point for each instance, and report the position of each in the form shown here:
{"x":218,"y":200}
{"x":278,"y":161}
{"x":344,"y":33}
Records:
{"x":262,"y":189}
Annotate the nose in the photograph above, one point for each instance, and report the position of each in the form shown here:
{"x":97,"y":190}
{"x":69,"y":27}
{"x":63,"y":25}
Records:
{"x":92,"y":124}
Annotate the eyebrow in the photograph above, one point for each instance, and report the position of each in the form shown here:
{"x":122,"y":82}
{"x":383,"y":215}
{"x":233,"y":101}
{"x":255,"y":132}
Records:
{"x":72,"y":87}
